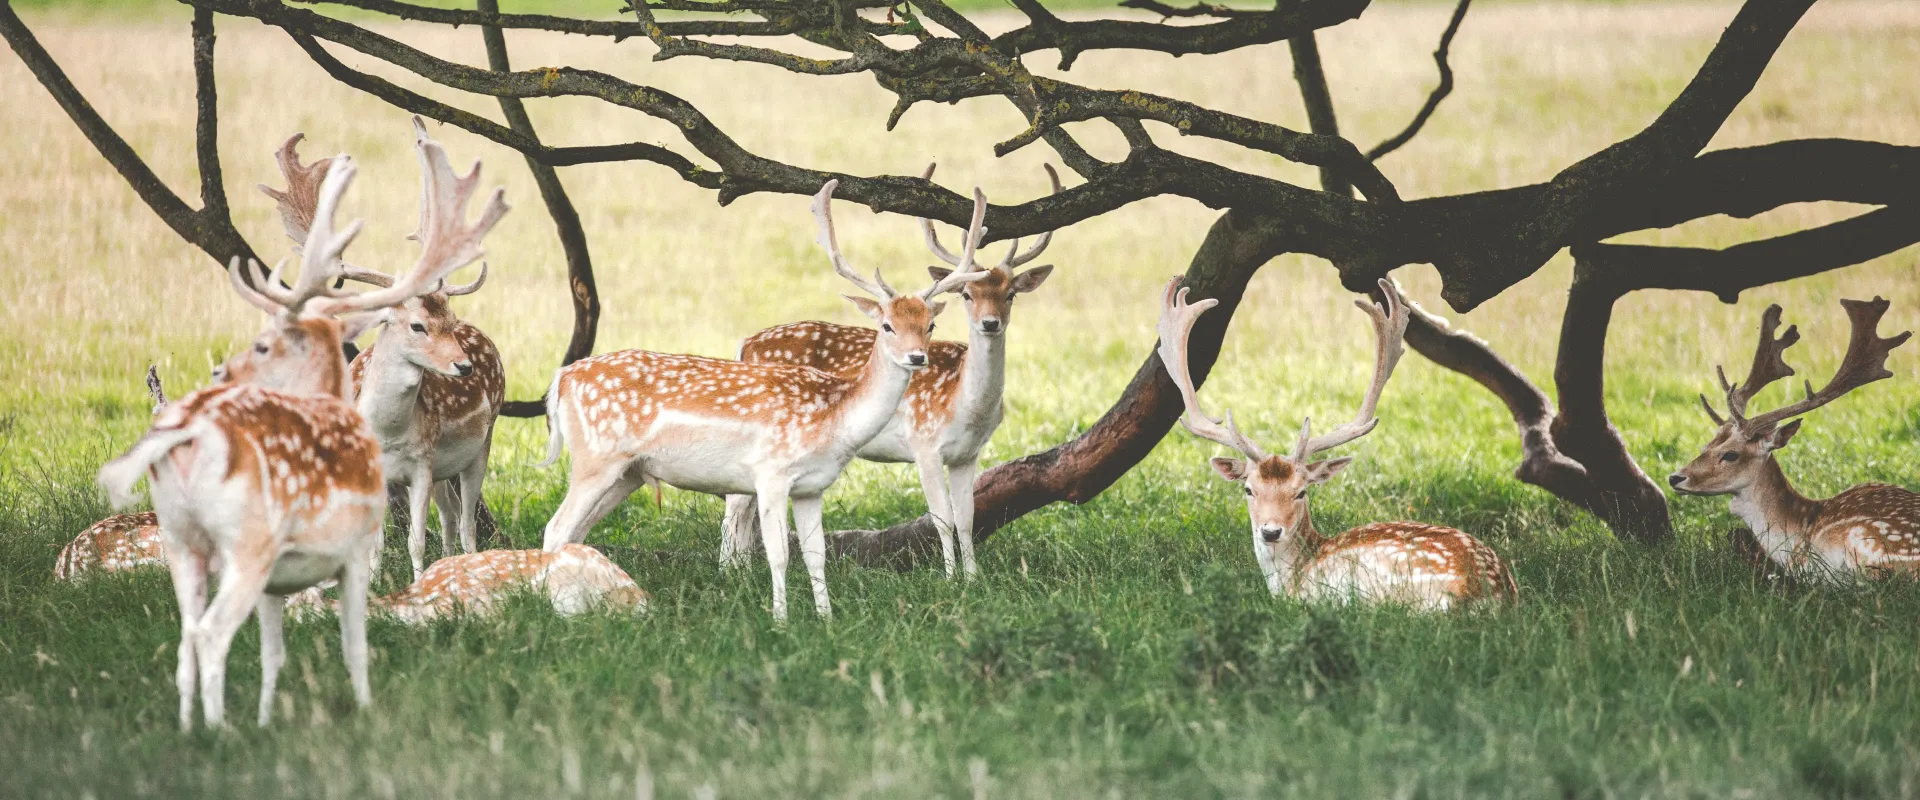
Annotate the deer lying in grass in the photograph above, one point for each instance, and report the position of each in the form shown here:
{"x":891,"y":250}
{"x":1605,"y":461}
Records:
{"x":951,"y":408}
{"x":121,"y":542}
{"x":576,"y":579}
{"x":727,"y":427}
{"x":430,"y":386}
{"x":273,"y":479}
{"x":1423,"y":566}
{"x":1870,"y":530}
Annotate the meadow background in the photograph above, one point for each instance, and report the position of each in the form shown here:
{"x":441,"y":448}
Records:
{"x":1122,"y":648}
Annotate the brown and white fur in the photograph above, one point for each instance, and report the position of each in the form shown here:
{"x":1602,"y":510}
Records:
{"x":121,"y":542}
{"x":951,"y":408}
{"x":1427,"y":567}
{"x":273,"y":480}
{"x":1871,"y":530}
{"x":726,"y":427}
{"x":431,"y":385}
{"x":576,"y":579}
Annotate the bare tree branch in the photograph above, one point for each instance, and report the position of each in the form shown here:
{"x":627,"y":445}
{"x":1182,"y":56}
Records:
{"x":1440,"y":91}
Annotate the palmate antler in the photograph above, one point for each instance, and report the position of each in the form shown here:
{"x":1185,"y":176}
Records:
{"x":1176,"y":324}
{"x":1864,"y":363}
{"x":1389,"y":330}
{"x":301,"y":199}
{"x":823,"y":216}
{"x":976,"y":232}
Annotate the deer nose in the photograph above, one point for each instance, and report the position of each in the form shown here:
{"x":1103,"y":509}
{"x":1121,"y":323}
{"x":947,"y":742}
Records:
{"x":1272,"y":533}
{"x":917,"y":359}
{"x":1676,"y":479}
{"x":990,"y":325}
{"x":463,"y":369}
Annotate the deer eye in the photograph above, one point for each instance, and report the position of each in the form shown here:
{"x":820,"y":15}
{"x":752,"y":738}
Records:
{"x":929,"y":327}
{"x":260,"y":348}
{"x":1249,"y":491}
{"x":886,"y":327}
{"x":965,"y":295}
{"x":1729,"y":456}
{"x":418,"y":328}
{"x":1301,"y":496}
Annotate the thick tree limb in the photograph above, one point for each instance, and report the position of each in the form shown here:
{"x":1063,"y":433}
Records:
{"x":1439,"y":93}
{"x":1073,"y":38}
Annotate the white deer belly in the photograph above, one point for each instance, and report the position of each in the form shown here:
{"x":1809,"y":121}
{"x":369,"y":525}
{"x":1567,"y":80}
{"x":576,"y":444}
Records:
{"x":890,"y":445}
{"x":1377,"y":575}
{"x":452,"y":456}
{"x":296,"y":570}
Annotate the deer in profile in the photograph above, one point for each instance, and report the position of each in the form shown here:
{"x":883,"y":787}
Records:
{"x":775,"y":431}
{"x":1423,"y":566}
{"x":1871,"y":530}
{"x":272,"y":479}
{"x":951,"y":408}
{"x":430,"y":385}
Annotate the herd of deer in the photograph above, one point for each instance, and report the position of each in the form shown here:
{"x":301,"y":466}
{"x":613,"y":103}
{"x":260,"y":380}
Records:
{"x":275,"y":478}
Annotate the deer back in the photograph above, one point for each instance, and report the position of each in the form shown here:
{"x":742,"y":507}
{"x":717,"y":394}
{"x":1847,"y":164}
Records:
{"x":844,"y":351}
{"x":1876,"y":524}
{"x":1431,"y":561}
{"x":117,"y":543}
{"x":303,"y":453}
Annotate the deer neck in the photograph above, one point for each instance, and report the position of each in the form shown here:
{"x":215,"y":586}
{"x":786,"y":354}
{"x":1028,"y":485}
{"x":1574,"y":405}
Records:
{"x":390,"y":387}
{"x":1773,"y":509}
{"x":983,"y":376}
{"x":873,"y":399}
{"x":1299,"y":550}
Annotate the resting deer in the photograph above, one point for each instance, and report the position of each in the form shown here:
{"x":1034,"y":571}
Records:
{"x":951,"y":408}
{"x":1423,"y":566}
{"x":121,"y":542}
{"x":727,"y":427}
{"x":576,"y":579}
{"x":1869,"y":530}
{"x":430,"y":386}
{"x":273,"y":479}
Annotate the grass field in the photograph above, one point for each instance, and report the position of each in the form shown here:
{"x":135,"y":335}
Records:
{"x":1123,"y":648}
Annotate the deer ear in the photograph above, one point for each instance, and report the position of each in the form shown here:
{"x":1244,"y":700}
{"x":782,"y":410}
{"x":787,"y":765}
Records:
{"x":1785,"y":434}
{"x":935,"y":309}
{"x":1323,"y":471}
{"x":1232,"y":469}
{"x":939,"y":273}
{"x":1031,"y":279}
{"x":866,"y":305}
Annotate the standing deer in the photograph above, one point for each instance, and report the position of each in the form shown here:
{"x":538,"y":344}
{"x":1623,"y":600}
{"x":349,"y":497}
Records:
{"x":575,"y":580}
{"x":1428,"y":567}
{"x":273,"y":479}
{"x":430,"y":386}
{"x":711,"y":425}
{"x":951,"y":408}
{"x":1870,"y":530}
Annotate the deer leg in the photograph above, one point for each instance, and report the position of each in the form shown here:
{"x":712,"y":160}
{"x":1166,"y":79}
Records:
{"x":736,"y":530}
{"x":773,"y":535}
{"x":813,"y":549}
{"x":190,"y":590}
{"x":960,"y":495}
{"x":273,"y":650}
{"x":593,"y":492}
{"x":419,"y":490}
{"x":354,"y":581}
{"x":933,"y":483}
{"x":241,"y":583}
{"x":469,"y":497}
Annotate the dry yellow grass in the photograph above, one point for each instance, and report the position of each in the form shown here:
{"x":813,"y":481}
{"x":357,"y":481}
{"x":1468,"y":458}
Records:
{"x":97,"y":287}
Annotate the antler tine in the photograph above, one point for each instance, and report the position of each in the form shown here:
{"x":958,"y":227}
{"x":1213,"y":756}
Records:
{"x":1176,"y":324}
{"x":1711,"y":414}
{"x":457,"y":290}
{"x":448,"y":242}
{"x":364,"y":275}
{"x":320,"y":256}
{"x":823,"y":218}
{"x":1769,"y":362}
{"x":1045,"y":239}
{"x":1389,"y":330}
{"x":926,"y":227}
{"x":237,"y":274}
{"x":976,"y":230}
{"x":301,"y":198}
{"x":1864,"y":363}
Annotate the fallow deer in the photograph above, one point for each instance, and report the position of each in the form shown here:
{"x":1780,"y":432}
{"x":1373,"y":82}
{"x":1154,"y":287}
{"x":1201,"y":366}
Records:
{"x":575,"y":579}
{"x":1870,"y":530}
{"x":1424,"y":566}
{"x":273,"y":479}
{"x":430,"y":386}
{"x":121,"y":542}
{"x":951,"y":408}
{"x":726,"y":427}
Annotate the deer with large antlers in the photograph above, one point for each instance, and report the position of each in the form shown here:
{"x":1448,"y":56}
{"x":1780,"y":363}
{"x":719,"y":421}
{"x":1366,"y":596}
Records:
{"x":430,"y":386}
{"x":1869,"y":530}
{"x":951,"y":408}
{"x":1420,"y":565}
{"x":775,"y":431}
{"x":272,"y":479}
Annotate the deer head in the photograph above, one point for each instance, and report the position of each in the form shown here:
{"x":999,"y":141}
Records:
{"x":1276,"y":485}
{"x":906,"y":321}
{"x":989,"y":301}
{"x":1742,"y":446}
{"x":300,"y":349}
